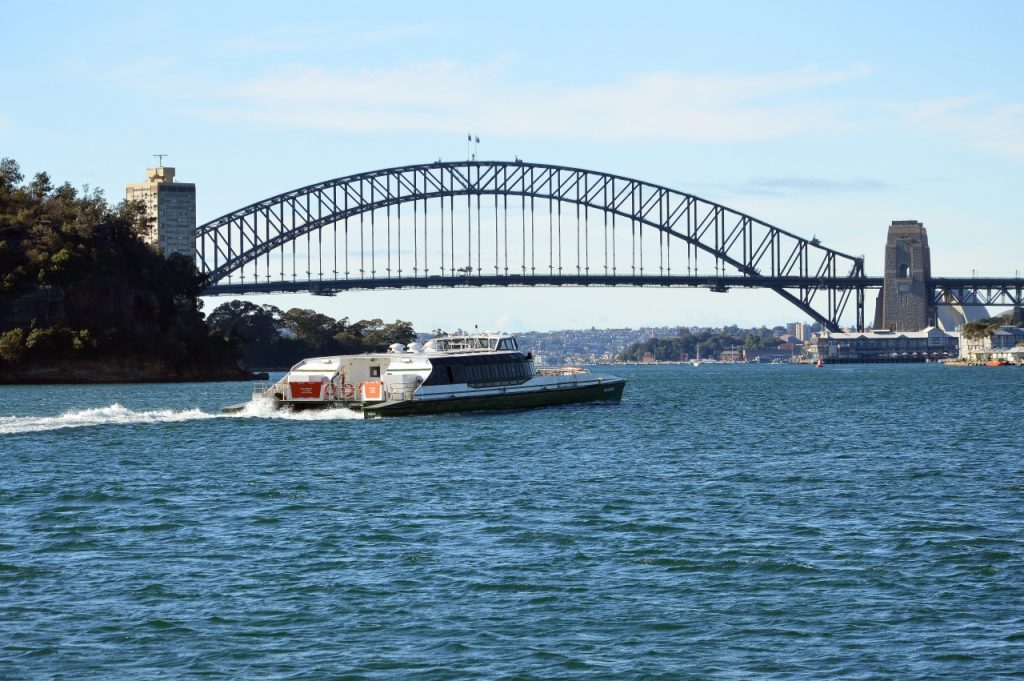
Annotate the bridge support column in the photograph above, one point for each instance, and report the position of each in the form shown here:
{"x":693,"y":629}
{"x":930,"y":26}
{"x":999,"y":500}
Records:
{"x":860,"y":309}
{"x":904,"y":303}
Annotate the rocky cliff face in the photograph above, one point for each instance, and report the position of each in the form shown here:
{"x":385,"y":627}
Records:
{"x":136,"y":316}
{"x":42,"y":305}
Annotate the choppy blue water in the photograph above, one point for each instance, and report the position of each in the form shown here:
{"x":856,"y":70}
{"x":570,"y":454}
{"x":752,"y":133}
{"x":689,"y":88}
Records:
{"x":722,"y":522}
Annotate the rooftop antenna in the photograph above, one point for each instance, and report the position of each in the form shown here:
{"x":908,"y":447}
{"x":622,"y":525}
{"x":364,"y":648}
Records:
{"x":160,"y":159}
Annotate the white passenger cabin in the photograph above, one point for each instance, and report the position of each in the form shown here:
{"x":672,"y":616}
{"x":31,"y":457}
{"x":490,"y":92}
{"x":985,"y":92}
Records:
{"x":376,"y":377}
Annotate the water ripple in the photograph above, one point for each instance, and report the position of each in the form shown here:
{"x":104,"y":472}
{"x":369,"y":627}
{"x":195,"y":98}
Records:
{"x":726,"y":522}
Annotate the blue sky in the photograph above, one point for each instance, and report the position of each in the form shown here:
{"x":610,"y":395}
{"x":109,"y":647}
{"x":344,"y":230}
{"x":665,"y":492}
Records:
{"x":827,"y":119}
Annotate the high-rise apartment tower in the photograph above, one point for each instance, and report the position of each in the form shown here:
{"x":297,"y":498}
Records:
{"x":171,"y":209}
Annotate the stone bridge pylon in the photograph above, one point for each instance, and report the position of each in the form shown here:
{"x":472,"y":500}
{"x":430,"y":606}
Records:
{"x":904,"y":303}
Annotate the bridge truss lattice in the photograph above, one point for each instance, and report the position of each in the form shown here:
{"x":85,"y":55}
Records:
{"x":498,"y":223}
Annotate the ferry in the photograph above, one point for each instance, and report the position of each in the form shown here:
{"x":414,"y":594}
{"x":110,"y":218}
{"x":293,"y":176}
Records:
{"x":448,"y":373}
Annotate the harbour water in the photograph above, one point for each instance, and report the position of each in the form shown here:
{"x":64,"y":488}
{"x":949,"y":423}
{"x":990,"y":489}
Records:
{"x":722,"y":522}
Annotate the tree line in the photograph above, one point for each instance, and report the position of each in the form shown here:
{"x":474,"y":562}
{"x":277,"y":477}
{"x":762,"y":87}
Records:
{"x":710,"y":343}
{"x":983,"y":328}
{"x":269,"y":338}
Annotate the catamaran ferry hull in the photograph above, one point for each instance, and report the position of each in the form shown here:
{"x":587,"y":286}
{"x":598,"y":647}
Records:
{"x":610,"y":391}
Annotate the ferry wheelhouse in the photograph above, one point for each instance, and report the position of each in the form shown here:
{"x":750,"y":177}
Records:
{"x":447,"y":373}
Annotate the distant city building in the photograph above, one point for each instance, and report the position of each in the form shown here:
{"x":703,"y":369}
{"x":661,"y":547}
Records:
{"x":170,"y":209}
{"x":887,"y":346}
{"x":730,"y":356}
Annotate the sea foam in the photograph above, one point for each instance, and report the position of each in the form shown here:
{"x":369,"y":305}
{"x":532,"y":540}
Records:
{"x":117,"y":414}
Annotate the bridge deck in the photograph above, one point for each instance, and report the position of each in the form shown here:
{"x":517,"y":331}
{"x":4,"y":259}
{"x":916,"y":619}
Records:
{"x":715,"y":283}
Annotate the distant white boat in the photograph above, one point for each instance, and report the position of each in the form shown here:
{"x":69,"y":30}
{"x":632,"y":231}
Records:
{"x":696,"y":362}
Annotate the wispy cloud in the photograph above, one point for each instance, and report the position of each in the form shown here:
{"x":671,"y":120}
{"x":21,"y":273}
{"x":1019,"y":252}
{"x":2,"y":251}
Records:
{"x":448,"y":97}
{"x":998,"y":128}
{"x":306,"y":37}
{"x":792,"y":185}
{"x":277,"y":40}
{"x":151,"y":75}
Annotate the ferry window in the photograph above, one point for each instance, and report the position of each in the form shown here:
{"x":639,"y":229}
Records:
{"x":374,"y":372}
{"x":494,"y":344}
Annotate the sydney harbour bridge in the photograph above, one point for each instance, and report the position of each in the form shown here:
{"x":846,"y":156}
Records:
{"x":514,"y":223}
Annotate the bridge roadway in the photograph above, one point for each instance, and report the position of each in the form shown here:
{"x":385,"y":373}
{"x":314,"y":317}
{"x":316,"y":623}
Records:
{"x":713,"y":283}
{"x":985,"y":290}
{"x":962,"y":291}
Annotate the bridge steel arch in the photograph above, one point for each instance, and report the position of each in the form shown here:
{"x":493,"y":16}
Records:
{"x":742,"y":250}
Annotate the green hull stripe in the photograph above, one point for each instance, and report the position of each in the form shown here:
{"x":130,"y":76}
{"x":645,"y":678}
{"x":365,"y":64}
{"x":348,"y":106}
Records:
{"x":609,"y":391}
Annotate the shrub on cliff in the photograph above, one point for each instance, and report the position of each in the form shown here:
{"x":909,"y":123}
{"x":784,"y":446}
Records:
{"x":12,"y":346}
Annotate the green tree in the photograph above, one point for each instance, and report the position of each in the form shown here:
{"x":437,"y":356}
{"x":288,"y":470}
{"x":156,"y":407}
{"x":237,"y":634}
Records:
{"x":311,"y":327}
{"x":12,"y":345}
{"x":10,"y":176}
{"x":982,"y":328}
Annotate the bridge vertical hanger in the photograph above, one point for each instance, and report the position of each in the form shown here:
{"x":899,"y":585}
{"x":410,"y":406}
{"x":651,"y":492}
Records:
{"x":468,"y":268}
{"x":479,"y":221}
{"x":451,"y":222}
{"x":373,"y":227}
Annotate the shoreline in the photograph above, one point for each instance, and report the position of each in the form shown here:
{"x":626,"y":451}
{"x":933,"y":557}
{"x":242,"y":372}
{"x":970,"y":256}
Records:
{"x":110,"y":371}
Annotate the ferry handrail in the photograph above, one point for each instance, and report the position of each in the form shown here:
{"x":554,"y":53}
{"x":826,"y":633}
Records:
{"x":561,"y":371}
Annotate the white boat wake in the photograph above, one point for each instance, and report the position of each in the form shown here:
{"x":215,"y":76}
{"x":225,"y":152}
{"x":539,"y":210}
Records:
{"x":116,"y":414}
